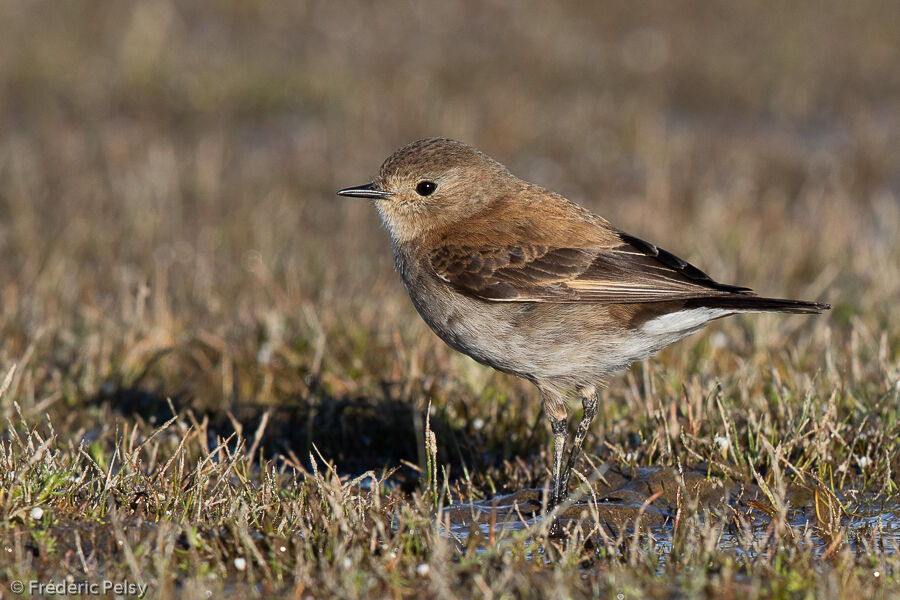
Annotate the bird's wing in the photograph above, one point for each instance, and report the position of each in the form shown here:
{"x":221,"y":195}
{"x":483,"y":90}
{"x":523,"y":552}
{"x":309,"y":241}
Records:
{"x":631,"y":271}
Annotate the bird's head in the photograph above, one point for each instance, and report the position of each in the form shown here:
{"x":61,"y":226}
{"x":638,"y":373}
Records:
{"x":433,"y":183}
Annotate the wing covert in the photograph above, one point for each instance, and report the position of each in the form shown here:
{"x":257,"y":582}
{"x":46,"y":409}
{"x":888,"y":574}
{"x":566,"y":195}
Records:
{"x":632,"y":271}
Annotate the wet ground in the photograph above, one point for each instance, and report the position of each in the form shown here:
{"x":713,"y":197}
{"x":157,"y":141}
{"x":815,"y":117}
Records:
{"x":616,"y":498}
{"x":621,"y":501}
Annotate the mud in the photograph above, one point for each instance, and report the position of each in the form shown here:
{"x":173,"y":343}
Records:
{"x":617,"y":499}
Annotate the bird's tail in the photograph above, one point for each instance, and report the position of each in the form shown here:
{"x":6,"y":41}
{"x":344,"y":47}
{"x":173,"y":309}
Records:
{"x":750,"y":303}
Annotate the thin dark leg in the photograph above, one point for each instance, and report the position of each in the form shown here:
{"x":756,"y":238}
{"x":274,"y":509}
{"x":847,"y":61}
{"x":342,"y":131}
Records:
{"x":589,"y":401}
{"x":560,"y":438}
{"x":555,"y":408}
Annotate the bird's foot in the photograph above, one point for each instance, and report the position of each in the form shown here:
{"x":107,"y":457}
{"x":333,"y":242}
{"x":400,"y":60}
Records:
{"x":556,"y":529}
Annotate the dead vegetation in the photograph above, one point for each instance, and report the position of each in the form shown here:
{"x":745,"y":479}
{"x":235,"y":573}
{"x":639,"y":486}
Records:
{"x":215,"y":384}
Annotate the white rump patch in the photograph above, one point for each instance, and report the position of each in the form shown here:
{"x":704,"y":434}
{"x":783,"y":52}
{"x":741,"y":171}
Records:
{"x":682,"y":321}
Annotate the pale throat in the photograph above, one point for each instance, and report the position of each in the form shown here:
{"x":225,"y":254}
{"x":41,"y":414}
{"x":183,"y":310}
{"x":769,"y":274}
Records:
{"x":402,"y":225}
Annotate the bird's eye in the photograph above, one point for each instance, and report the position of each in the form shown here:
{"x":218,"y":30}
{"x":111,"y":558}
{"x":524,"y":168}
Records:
{"x":425,"y":188}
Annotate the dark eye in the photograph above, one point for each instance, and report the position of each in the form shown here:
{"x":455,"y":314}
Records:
{"x":424,"y":188}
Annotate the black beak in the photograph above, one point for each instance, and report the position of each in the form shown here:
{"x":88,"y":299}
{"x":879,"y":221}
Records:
{"x":369,"y":190}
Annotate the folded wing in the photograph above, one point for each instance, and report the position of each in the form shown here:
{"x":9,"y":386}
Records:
{"x":630,"y":272}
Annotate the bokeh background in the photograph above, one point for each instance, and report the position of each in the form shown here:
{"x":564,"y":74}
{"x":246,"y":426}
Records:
{"x":169,"y":227}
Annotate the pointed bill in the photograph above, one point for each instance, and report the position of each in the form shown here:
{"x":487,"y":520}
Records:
{"x":369,"y":190}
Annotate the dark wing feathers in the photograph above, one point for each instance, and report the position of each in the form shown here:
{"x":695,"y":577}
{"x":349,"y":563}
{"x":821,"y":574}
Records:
{"x":509,"y":272}
{"x":653,"y":261}
{"x":634,"y":271}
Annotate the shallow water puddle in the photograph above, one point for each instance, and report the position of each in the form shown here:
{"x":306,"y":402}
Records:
{"x":651,"y":496}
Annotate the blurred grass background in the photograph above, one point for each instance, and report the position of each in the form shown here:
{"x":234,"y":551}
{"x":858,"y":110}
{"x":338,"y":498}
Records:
{"x":167,"y":171}
{"x":169,"y":226}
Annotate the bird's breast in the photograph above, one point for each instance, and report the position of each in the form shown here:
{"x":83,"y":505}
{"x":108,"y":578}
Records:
{"x":477,"y":328}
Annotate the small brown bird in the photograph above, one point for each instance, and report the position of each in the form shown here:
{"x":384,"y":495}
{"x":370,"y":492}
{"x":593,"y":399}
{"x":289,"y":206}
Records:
{"x":525,"y":281}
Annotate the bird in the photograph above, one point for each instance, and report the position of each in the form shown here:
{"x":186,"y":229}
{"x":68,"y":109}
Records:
{"x":523,"y":280}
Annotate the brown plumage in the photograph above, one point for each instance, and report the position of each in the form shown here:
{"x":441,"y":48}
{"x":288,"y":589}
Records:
{"x":632,"y":272}
{"x":525,"y":281}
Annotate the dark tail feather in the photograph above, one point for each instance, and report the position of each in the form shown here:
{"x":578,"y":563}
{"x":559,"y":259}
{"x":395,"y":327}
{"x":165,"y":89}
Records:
{"x":741,"y":302}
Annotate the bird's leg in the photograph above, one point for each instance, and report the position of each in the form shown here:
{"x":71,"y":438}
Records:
{"x":589,"y":401}
{"x":555,"y":407}
{"x":560,"y":438}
